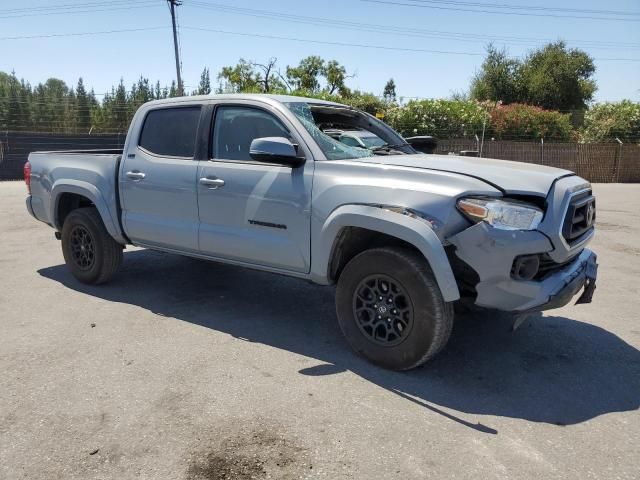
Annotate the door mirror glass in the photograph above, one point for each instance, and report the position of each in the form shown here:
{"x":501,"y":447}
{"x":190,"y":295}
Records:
{"x":275,"y":150}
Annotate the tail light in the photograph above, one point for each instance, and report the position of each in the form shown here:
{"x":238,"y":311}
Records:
{"x":27,"y":176}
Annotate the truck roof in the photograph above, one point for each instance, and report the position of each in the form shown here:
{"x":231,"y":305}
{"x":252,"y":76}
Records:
{"x":247,"y":96}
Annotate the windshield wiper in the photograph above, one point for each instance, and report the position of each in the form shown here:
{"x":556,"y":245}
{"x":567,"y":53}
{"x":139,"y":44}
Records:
{"x":388,"y":146}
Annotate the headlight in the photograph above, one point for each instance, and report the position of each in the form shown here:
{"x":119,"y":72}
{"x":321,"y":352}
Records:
{"x":502,"y":214}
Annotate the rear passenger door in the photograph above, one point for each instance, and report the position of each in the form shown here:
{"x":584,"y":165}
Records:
{"x":255,"y":213}
{"x":158,"y":179}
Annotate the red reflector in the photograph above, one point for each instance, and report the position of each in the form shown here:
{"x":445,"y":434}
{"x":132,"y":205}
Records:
{"x":27,"y":176}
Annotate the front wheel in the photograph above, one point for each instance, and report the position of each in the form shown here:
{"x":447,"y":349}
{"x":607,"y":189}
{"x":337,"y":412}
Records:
{"x":391,"y":310}
{"x":92,"y":255}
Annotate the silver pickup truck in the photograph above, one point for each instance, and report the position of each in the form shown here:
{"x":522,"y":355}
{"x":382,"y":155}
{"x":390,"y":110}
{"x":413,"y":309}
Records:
{"x":255,"y":181}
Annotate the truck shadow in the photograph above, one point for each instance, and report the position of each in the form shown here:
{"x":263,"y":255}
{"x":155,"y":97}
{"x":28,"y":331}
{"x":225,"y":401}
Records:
{"x":553,"y":369}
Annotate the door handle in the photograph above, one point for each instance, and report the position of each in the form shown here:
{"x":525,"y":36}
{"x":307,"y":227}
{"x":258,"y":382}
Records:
{"x":136,"y":176}
{"x":212,"y":183}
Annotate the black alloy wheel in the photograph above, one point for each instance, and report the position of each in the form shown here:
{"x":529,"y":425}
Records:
{"x":82,"y":247}
{"x":383,"y":310}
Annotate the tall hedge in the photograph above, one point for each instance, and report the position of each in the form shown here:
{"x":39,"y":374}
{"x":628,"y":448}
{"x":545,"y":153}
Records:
{"x":439,"y":118}
{"x":608,"y":121}
{"x":519,"y":122}
{"x":460,"y":118}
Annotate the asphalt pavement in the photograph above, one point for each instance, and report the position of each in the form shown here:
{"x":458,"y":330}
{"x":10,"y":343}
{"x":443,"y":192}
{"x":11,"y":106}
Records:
{"x":184,"y":369}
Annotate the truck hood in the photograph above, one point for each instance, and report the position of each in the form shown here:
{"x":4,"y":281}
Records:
{"x":510,"y":177}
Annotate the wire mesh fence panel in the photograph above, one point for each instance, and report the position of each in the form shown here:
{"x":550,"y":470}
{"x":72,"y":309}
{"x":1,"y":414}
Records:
{"x":597,"y":162}
{"x":527,"y":152}
{"x":15,"y":147}
{"x":455,"y":145}
{"x":560,"y":155}
{"x":629,"y":168}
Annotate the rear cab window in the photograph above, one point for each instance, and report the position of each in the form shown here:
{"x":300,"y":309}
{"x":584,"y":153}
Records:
{"x":171,"y":132}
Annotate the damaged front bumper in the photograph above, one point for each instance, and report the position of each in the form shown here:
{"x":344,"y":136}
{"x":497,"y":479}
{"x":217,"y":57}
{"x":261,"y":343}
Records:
{"x":491,"y":252}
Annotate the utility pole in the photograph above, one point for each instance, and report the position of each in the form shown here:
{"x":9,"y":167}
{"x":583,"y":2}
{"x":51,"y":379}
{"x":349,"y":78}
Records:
{"x":172,"y":6}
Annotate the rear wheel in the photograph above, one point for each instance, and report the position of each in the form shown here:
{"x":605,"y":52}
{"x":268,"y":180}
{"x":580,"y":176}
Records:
{"x":92,"y":255}
{"x":391,"y":310}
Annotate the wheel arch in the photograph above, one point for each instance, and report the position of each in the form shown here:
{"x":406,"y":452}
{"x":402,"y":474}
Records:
{"x":68,"y":196}
{"x":350,"y":229}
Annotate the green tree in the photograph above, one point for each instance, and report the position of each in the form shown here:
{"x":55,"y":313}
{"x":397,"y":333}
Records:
{"x":70,"y":101}
{"x":173,"y":90}
{"x":559,"y":78}
{"x":269,"y":79}
{"x":239,"y":78}
{"x":553,"y":77}
{"x":16,"y":100}
{"x":141,"y":92}
{"x":83,"y":108}
{"x":54,"y":95}
{"x":4,"y":97}
{"x":18,"y":114}
{"x":389,"y":92}
{"x":498,"y":78}
{"x":204,"y":87}
{"x":335,"y":75}
{"x":306,"y":76}
{"x":115,"y":114}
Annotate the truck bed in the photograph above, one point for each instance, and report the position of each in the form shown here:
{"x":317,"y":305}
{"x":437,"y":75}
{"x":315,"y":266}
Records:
{"x":92,"y":174}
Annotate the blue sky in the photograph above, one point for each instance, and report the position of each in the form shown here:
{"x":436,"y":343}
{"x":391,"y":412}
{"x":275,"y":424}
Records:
{"x":103,"y":59}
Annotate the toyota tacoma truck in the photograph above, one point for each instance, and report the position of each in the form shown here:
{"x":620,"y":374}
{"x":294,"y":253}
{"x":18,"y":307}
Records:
{"x":256,"y":181}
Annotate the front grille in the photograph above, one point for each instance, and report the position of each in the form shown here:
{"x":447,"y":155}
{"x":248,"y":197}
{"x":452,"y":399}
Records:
{"x":581,"y":216}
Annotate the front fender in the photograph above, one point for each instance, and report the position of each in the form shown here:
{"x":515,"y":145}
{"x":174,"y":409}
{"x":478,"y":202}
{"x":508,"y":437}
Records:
{"x":415,"y":231}
{"x":92,"y":193}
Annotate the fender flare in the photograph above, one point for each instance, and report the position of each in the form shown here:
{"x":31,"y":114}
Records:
{"x":416,"y":231}
{"x":92,"y":193}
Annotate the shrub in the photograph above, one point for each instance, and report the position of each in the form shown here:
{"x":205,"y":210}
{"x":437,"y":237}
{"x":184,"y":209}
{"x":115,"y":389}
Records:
{"x":525,"y":122}
{"x":439,"y":118}
{"x":608,"y":121}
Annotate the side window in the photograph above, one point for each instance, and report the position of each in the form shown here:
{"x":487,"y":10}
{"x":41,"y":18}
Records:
{"x":171,"y":132}
{"x":236,"y":127}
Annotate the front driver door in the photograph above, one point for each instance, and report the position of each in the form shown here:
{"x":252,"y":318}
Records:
{"x":253,"y":212}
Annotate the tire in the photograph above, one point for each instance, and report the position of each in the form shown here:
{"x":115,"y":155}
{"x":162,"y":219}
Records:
{"x":92,"y":255}
{"x":415,"y":323}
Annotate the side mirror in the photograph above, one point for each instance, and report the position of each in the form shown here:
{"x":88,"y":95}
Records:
{"x":275,"y":150}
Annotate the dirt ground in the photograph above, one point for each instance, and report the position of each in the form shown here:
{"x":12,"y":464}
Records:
{"x":182,"y":369}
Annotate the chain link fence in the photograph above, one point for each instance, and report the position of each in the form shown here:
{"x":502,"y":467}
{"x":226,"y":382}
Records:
{"x":15,"y":147}
{"x":597,"y":162}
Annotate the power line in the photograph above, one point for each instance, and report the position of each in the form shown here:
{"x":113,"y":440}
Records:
{"x":90,"y":8}
{"x":368,"y":46}
{"x":93,"y":10}
{"x":70,"y":5}
{"x":474,"y":10}
{"x":79,"y":34}
{"x":289,"y":39}
{"x":57,"y":6}
{"x":390,"y":29}
{"x":528,"y":7}
{"x":335,"y":23}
